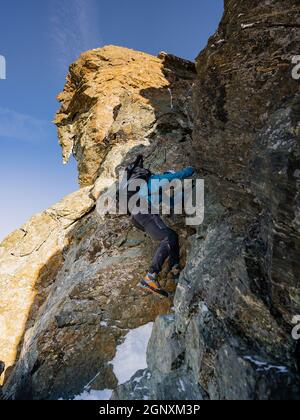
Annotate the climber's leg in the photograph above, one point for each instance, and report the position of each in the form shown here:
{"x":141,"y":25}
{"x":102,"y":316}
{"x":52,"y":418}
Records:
{"x":173,"y":240}
{"x":169,"y":248}
{"x":169,"y":242}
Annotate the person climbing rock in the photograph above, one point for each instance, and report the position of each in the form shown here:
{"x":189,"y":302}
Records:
{"x":154,"y":226}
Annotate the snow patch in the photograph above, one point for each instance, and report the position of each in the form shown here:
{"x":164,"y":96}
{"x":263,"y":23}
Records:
{"x":182,"y":387}
{"x":130,"y":358}
{"x":247,"y":25}
{"x":131,"y":354}
{"x":171,"y":98}
{"x":89,"y":394}
{"x":92,"y":395}
{"x":266,"y":367}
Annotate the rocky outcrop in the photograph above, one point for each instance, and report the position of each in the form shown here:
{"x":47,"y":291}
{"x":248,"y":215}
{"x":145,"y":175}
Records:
{"x":230,"y":336}
{"x":30,"y":259}
{"x":116,"y":96}
{"x":68,"y":277}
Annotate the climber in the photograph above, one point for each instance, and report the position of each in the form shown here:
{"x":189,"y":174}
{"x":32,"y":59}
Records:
{"x":154,"y":226}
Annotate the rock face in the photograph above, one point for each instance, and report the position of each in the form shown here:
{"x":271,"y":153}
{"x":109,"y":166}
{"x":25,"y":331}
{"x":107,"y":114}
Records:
{"x":231,"y":331}
{"x":68,"y":277}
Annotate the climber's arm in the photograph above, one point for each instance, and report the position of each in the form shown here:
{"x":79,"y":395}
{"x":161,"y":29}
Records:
{"x":185,"y":173}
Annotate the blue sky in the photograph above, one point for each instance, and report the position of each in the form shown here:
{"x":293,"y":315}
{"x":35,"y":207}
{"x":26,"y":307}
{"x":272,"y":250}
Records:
{"x":39,"y":39}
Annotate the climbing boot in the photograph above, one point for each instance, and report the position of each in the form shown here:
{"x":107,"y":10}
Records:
{"x":151,"y":284}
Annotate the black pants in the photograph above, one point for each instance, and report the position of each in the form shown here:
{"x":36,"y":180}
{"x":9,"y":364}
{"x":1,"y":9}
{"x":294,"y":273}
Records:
{"x":154,"y":226}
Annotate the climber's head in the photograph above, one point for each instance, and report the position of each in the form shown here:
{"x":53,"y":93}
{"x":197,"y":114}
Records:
{"x":140,"y":161}
{"x":137,"y":163}
{"x":137,"y":167}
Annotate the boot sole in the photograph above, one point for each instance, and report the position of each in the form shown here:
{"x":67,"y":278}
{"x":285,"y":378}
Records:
{"x":150,"y":289}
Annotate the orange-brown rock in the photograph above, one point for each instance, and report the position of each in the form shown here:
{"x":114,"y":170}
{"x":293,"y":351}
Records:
{"x":110,"y":97}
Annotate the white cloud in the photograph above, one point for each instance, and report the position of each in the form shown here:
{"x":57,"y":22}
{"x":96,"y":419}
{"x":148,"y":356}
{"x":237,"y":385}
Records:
{"x":17,"y":126}
{"x":74,"y":29}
